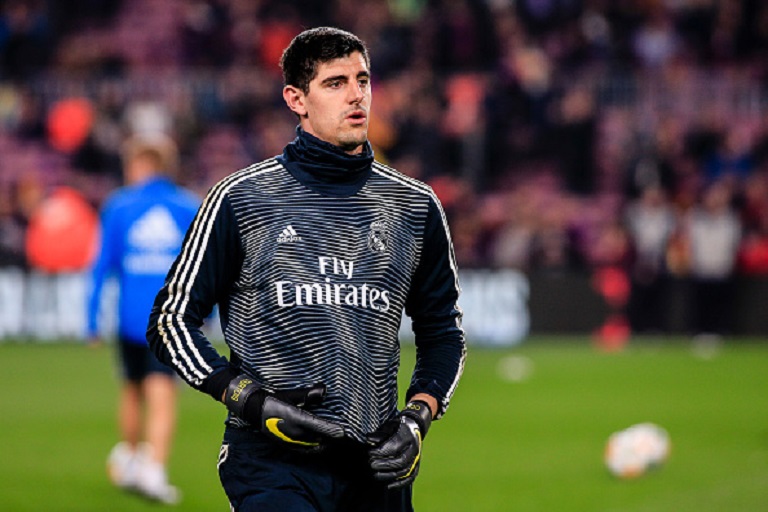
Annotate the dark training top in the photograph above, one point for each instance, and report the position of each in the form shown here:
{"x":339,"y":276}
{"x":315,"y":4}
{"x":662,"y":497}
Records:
{"x":312,"y":257}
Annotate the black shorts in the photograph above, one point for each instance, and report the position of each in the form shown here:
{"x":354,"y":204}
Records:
{"x":137,"y":361}
{"x":260,"y":475}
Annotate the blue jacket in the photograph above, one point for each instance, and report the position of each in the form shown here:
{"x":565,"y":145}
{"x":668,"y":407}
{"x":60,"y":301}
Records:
{"x":142,"y":229}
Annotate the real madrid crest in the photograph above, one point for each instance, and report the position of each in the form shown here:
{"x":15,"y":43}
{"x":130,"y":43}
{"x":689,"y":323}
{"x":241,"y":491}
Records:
{"x":378,"y":236}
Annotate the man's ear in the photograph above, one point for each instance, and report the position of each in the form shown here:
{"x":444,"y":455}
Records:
{"x":294,"y":98}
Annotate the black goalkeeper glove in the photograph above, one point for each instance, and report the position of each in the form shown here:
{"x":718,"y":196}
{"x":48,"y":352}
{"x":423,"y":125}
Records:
{"x":281,"y":415}
{"x":396,"y":452}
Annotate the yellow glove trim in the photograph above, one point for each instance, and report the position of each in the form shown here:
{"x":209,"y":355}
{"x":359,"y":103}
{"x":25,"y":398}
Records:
{"x":416,"y":459}
{"x":272,"y":426}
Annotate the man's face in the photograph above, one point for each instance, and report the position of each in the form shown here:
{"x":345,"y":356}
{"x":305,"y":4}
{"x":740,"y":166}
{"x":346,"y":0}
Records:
{"x":337,"y":105}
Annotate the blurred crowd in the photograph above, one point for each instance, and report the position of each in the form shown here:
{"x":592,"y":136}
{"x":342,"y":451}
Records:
{"x":560,"y":135}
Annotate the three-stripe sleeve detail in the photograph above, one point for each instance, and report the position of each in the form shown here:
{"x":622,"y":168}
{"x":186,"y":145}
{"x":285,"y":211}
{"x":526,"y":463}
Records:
{"x":185,"y":355}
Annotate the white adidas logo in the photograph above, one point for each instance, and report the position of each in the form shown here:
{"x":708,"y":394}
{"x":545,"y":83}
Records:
{"x":288,"y":235}
{"x":156,"y":230}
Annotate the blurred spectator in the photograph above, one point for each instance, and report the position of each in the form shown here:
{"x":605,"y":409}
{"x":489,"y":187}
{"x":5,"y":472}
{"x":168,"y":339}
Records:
{"x":760,"y":149}
{"x":205,"y":34}
{"x":278,"y":25}
{"x":714,"y":233}
{"x":25,"y":38}
{"x":515,"y":229}
{"x":611,"y":246}
{"x":558,"y":243}
{"x":753,"y":255}
{"x":30,"y":192}
{"x":466,"y":233}
{"x":704,"y":134}
{"x":754,"y":202}
{"x":695,"y":22}
{"x":656,"y":41}
{"x":650,"y":222}
{"x":464,"y":38}
{"x":29,"y":124}
{"x":461,"y":126}
{"x":610,"y":258}
{"x":573,"y":140}
{"x":417,"y":125}
{"x":655,"y":160}
{"x":13,"y":225}
{"x":732,"y":160}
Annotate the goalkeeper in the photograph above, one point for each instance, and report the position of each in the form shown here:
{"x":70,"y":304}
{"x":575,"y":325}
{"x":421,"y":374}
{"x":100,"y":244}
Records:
{"x":312,"y":257}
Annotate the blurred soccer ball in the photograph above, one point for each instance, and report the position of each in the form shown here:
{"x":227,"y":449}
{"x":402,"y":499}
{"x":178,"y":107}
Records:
{"x":632,"y":452}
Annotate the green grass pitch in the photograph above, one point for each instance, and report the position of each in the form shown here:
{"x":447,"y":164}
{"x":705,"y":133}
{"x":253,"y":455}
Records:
{"x":525,"y":432}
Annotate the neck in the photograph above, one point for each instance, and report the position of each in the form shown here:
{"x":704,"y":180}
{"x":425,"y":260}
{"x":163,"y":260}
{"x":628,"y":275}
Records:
{"x":138,"y":173}
{"x":325,"y":167}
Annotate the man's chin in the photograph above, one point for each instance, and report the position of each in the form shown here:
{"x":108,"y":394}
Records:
{"x":353,"y":144}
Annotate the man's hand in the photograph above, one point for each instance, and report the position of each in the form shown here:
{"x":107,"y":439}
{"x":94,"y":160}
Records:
{"x":396,"y":452}
{"x":281,"y":415}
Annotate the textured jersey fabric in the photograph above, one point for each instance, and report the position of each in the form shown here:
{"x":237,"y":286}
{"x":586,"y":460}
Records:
{"x":142,"y":229}
{"x":312,"y":287}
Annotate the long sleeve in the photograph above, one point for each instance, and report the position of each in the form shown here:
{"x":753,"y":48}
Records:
{"x":436,"y":317}
{"x":200,"y":277}
{"x":106,"y":263}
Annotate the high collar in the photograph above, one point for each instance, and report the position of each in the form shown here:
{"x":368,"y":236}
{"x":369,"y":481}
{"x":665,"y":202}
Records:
{"x":326,"y":168}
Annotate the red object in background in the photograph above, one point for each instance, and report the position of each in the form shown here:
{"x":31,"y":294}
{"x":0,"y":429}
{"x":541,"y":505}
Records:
{"x":69,"y":123}
{"x":614,"y":334}
{"x":449,"y":190}
{"x":753,"y":257}
{"x":275,"y":36}
{"x":613,"y":284}
{"x":465,"y":95}
{"x":63,"y":233}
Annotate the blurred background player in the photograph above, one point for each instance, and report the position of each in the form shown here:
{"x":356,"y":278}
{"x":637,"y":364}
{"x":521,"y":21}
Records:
{"x":143,"y":225}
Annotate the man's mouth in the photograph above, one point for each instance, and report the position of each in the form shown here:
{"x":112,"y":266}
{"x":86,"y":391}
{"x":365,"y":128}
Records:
{"x":357,"y":116}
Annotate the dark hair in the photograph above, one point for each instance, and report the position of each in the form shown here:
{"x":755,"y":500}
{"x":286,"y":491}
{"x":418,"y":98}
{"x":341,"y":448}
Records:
{"x":316,"y":46}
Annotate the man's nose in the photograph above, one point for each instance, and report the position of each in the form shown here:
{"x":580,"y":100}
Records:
{"x":357,"y":93}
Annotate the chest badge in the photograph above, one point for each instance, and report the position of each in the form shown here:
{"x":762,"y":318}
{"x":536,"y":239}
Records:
{"x":379,"y":236}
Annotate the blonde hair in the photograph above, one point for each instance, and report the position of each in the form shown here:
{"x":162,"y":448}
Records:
{"x":158,"y":150}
